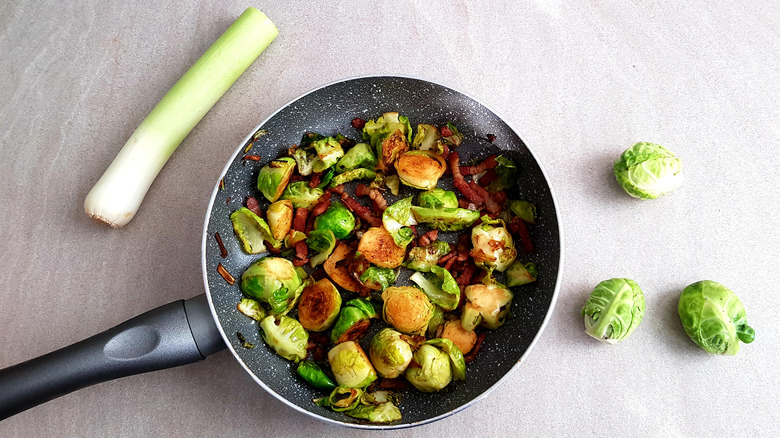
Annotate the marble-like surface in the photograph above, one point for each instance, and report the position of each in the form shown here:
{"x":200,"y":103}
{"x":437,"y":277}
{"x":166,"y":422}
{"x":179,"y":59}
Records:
{"x":579,"y":82}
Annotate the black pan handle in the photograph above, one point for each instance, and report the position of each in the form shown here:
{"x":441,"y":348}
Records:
{"x":175,"y":334}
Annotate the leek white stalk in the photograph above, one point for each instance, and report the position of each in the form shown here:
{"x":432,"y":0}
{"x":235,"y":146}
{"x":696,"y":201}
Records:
{"x":119,"y":192}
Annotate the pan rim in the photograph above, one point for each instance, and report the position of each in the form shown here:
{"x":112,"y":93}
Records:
{"x":487,"y":392}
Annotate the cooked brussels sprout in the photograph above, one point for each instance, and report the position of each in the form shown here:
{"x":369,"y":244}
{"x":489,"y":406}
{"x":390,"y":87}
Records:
{"x":389,"y":134}
{"x":396,"y":219}
{"x":382,"y":413}
{"x":427,"y":138}
{"x":312,"y":374}
{"x":439,"y":286}
{"x":389,"y":148}
{"x":407,"y":309}
{"x":445,"y":219}
{"x":301,"y":195}
{"x":376,"y":278}
{"x":493,"y":245}
{"x":339,"y":272}
{"x":462,"y":338}
{"x":455,"y":137}
{"x":614,"y":310}
{"x":274,"y":176}
{"x":275,"y":281}
{"x":359,"y":155}
{"x":436,"y":320}
{"x":524,"y":210}
{"x":286,"y":336}
{"x":323,"y":241}
{"x":437,"y":198}
{"x":350,"y":365}
{"x":519,"y":274}
{"x":714,"y":318}
{"x":422,"y":258}
{"x":390,"y":353}
{"x":434,"y":371}
{"x":252,"y":309}
{"x":293,"y":237}
{"x":252,"y":230}
{"x":486,"y":305}
{"x":280,"y":216}
{"x":353,"y":320}
{"x":352,"y":175}
{"x":385,"y":124}
{"x":456,"y":357}
{"x":326,"y":177}
{"x":648,"y":170}
{"x":420,"y":169}
{"x":305,"y":160}
{"x":394,"y":184}
{"x":319,"y":306}
{"x":338,"y":219}
{"x":341,"y":399}
{"x":379,"y":248}
{"x":507,"y":174}
{"x":329,"y":151}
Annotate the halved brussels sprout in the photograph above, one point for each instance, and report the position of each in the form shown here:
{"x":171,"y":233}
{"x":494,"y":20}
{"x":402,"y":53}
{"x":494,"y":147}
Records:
{"x":439,"y":286}
{"x":376,"y":278}
{"x":493,"y":245}
{"x":462,"y":338}
{"x":456,"y":357}
{"x":280,"y":216}
{"x":382,"y":413}
{"x":252,"y":309}
{"x":338,"y":219}
{"x":507,"y":174}
{"x":714,"y":318}
{"x":390,"y":353}
{"x":359,"y":155}
{"x":252,"y":230}
{"x":286,"y":336}
{"x":437,"y":198}
{"x":487,"y":305}
{"x":350,"y":365}
{"x":524,"y":210}
{"x":426,"y":138}
{"x":648,"y":170}
{"x":519,"y":274}
{"x":323,"y":241}
{"x":433,"y":370}
{"x":275,"y":281}
{"x":396,"y":218}
{"x":339,"y":272}
{"x":352,"y":175}
{"x":301,"y":195}
{"x":353,"y":321}
{"x":379,"y":248}
{"x":445,"y":219}
{"x":454,"y":138}
{"x":407,"y":309}
{"x":329,"y":151}
{"x":422,"y":258}
{"x":614,"y":310}
{"x":274,"y":176}
{"x":420,"y":169}
{"x":312,"y":374}
{"x":389,"y":148}
{"x":319,"y":306}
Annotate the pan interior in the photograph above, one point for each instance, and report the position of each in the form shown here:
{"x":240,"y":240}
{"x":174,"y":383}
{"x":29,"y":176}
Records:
{"x":329,"y":110}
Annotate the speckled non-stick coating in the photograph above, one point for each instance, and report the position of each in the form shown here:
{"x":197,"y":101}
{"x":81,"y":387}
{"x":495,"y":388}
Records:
{"x":329,"y":110}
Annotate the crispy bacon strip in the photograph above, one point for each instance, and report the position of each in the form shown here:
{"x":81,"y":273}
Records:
{"x":337,"y":189}
{"x":488,"y":178}
{"x":450,"y":262}
{"x":445,"y":258}
{"x":517,"y":226}
{"x":394,"y":383}
{"x":473,"y":353}
{"x":226,"y":275}
{"x":487,"y":163}
{"x":270,"y":248}
{"x":315,"y":179}
{"x":468,"y":273}
{"x":322,"y":204}
{"x":296,"y":177}
{"x":252,"y":157}
{"x":499,"y":196}
{"x":362,"y":190}
{"x":301,"y":254}
{"x":490,"y":204}
{"x":299,"y":221}
{"x":253,"y":205}
{"x":429,"y":237}
{"x":361,"y":210}
{"x":460,"y":182}
{"x":222,"y":250}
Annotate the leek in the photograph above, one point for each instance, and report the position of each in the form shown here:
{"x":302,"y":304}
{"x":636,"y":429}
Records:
{"x":119,"y":192}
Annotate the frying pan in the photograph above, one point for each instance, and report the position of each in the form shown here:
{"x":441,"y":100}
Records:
{"x":187,"y":331}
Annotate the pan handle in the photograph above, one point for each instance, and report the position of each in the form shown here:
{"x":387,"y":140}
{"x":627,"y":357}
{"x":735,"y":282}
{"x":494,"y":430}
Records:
{"x":175,"y":334}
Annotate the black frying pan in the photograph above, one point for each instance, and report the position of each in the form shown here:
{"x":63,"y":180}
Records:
{"x":187,"y":331}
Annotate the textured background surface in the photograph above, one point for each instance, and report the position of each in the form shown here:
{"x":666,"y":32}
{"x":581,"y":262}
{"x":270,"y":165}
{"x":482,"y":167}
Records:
{"x":580,"y":84}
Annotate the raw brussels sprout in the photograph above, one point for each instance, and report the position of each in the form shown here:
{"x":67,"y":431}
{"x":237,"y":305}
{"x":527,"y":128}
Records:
{"x":434,"y":371}
{"x":407,"y":309}
{"x":376,"y":278}
{"x":252,"y":230}
{"x":274,"y":176}
{"x":350,"y":365}
{"x":648,"y":170}
{"x":437,"y":198}
{"x":329,"y":151}
{"x":422,"y":258}
{"x":337,"y":219}
{"x":353,"y":320}
{"x":319,"y":306}
{"x":352,"y":175}
{"x":301,"y":195}
{"x":524,"y":210}
{"x":462,"y":338}
{"x":280,"y":216}
{"x":312,"y":374}
{"x":341,"y":399}
{"x":427,"y":139}
{"x":323,"y":241}
{"x":359,"y":155}
{"x":252,"y":309}
{"x":507,"y":174}
{"x":519,"y":274}
{"x":390,"y":353}
{"x":436,"y":320}
{"x":286,"y":336}
{"x":445,"y":219}
{"x":420,"y":169}
{"x":614,"y":310}
{"x":714,"y":318}
{"x":275,"y":281}
{"x":486,"y":305}
{"x":378,"y":247}
{"x":396,"y":219}
{"x":456,"y":357}
{"x":439,"y":286}
{"x":382,"y":413}
{"x":493,"y":245}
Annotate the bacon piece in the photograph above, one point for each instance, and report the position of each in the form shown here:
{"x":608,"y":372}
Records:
{"x":358,"y":123}
{"x":337,"y":189}
{"x":362,"y":190}
{"x":517,"y":226}
{"x":270,"y":248}
{"x":473,"y":353}
{"x":428,"y":237}
{"x":222,"y":250}
{"x":491,"y":205}
{"x":315,"y":179}
{"x":296,"y":177}
{"x":462,"y":256}
{"x":319,"y":274}
{"x":394,"y":383}
{"x":253,"y":205}
{"x":445,"y":258}
{"x":379,"y":202}
{"x":299,"y":221}
{"x":460,"y":182}
{"x":487,"y":163}
{"x":226,"y":275}
{"x":252,"y":157}
{"x":414,"y":230}
{"x":319,"y":338}
{"x":488,"y":178}
{"x":302,"y":251}
{"x":450,"y":262}
{"x":445,"y":131}
{"x":465,"y":203}
{"x":319,"y":354}
{"x":361,"y":210}
{"x":499,"y":196}
{"x":468,"y":273}
{"x":322,"y":204}
{"x":445,"y":152}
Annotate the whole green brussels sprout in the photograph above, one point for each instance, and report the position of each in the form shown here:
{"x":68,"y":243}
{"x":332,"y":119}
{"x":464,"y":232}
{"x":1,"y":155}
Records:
{"x":714,"y":318}
{"x":390,"y":353}
{"x":437,"y":198}
{"x":275,"y":281}
{"x":301,"y":195}
{"x":614,"y":310}
{"x":350,"y":365}
{"x":359,"y":155}
{"x":337,"y":219}
{"x":286,"y":336}
{"x":648,"y":170}
{"x":274,"y":176}
{"x":434,"y":372}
